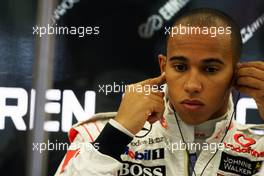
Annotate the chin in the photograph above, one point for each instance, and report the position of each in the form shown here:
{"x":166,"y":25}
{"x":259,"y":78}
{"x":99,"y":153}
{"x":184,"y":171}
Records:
{"x":193,"y":120}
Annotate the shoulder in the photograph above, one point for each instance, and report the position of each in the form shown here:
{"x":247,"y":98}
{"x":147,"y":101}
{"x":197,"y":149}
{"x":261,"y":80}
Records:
{"x":254,"y":130}
{"x":89,"y":130}
{"x":246,"y":139}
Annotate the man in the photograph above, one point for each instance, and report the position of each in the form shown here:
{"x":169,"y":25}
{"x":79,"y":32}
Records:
{"x":191,"y":130}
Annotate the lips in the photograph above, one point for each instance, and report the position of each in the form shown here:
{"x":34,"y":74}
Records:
{"x":192,"y":105}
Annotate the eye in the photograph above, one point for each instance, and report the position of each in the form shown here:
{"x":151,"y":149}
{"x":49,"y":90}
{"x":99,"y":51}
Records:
{"x":211,"y":69}
{"x":180,"y":67}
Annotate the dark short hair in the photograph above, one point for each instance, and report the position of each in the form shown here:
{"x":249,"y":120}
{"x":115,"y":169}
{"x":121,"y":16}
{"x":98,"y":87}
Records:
{"x":212,"y":17}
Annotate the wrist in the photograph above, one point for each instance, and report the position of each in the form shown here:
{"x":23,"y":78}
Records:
{"x":112,"y":141}
{"x":120,"y":127}
{"x":126,"y":125}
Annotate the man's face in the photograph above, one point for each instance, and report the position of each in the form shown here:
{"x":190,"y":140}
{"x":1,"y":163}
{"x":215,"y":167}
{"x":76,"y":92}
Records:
{"x":199,"y":71}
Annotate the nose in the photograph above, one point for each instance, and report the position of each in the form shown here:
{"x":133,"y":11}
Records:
{"x":193,"y":83}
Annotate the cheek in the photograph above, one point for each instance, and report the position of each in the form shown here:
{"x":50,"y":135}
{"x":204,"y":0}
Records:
{"x":218,"y":89}
{"x":172,"y":77}
{"x":221,"y":83}
{"x":173,"y":80}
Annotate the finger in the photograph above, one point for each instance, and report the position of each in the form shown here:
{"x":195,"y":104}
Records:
{"x":256,"y":64}
{"x":156,"y":107}
{"x":145,"y":89}
{"x":155,"y":81}
{"x":152,"y":89}
{"x":155,"y":117}
{"x":157,"y":98}
{"x":157,"y":114}
{"x":158,"y":93}
{"x":250,"y":82}
{"x":251,"y":71}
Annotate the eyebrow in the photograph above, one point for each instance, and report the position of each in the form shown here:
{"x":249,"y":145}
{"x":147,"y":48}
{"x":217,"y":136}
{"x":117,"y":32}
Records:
{"x":205,"y":61}
{"x":178,"y":58}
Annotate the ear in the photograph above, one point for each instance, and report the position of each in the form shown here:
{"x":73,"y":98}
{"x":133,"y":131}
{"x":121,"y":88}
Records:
{"x":162,"y":62}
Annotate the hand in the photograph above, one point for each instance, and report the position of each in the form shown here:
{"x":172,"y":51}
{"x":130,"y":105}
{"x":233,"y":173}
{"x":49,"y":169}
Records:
{"x":250,"y":80}
{"x":141,"y":103}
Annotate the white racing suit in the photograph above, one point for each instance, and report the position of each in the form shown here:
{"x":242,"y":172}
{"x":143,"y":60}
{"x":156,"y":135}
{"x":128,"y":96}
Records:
{"x":158,"y":149}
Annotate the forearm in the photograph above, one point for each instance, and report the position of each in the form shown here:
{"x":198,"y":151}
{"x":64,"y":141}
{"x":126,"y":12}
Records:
{"x":112,"y":141}
{"x":89,"y":157}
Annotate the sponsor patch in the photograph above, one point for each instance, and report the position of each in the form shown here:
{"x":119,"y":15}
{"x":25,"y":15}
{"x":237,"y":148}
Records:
{"x":146,"y":154}
{"x":248,"y":150}
{"x":147,"y":141}
{"x":238,"y":165}
{"x":243,"y":140}
{"x":134,"y":169}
